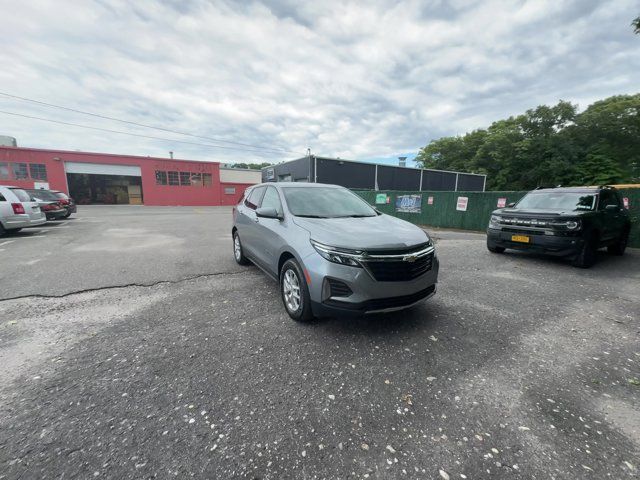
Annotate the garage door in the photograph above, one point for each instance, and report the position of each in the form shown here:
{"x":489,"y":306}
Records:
{"x":102,"y":169}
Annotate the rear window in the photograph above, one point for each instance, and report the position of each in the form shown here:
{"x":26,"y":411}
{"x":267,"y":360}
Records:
{"x":42,"y":194}
{"x":61,"y":195}
{"x":21,"y":194}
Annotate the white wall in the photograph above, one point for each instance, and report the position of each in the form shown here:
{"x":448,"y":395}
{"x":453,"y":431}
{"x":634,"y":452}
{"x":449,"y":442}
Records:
{"x":238,"y":175}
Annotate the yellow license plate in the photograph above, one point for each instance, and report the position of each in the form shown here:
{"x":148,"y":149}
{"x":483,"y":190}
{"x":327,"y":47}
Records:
{"x":520,"y":238}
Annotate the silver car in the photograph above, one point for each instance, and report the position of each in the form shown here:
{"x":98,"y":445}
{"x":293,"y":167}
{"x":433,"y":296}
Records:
{"x":332,"y":253}
{"x":18,"y":210}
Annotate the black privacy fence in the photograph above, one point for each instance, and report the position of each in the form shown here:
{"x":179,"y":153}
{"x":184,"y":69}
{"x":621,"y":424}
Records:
{"x":467,"y":210}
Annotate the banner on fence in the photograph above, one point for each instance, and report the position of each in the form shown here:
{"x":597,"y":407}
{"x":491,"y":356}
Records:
{"x":462,"y":203}
{"x":625,"y":200}
{"x":430,"y":200}
{"x":409,"y":203}
{"x":502,"y":202}
{"x":382,"y":199}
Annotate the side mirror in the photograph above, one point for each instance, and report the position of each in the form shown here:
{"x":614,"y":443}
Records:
{"x":511,"y":205}
{"x":612,"y":208}
{"x":267,"y":212}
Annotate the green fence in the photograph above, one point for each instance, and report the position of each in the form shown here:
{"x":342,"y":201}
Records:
{"x":438,"y":209}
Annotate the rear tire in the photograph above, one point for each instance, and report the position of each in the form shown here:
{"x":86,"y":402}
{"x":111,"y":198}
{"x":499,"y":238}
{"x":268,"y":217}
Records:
{"x":238,"y":252}
{"x":2,"y":230}
{"x":13,"y":230}
{"x":620,"y":245}
{"x":295,"y":292}
{"x":587,"y":255}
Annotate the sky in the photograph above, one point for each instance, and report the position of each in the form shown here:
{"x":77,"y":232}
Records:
{"x":368,"y":81}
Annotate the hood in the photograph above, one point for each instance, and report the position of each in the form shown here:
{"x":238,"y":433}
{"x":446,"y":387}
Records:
{"x":539,"y":213}
{"x":365,"y":233}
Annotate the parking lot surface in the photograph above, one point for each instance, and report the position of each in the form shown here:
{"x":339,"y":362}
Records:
{"x":171,"y":362}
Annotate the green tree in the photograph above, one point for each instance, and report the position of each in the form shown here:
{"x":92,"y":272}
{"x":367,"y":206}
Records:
{"x":548,"y":146}
{"x":598,"y":169}
{"x":252,"y":166}
{"x":636,"y":25}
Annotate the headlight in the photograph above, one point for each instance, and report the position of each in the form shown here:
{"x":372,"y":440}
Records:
{"x":572,"y":224}
{"x":495,"y":220}
{"x":338,"y":255}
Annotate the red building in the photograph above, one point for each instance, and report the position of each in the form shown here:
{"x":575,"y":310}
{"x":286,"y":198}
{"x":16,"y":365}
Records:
{"x":115,"y":179}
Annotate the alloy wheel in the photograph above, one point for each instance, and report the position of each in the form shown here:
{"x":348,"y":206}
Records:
{"x":291,"y":290}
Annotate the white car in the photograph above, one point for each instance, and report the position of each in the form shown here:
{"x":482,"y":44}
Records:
{"x":18,"y":210}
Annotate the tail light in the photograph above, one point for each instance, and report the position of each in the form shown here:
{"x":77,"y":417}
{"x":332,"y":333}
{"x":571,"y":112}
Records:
{"x":18,"y":208}
{"x":63,"y":201}
{"x":50,"y":206}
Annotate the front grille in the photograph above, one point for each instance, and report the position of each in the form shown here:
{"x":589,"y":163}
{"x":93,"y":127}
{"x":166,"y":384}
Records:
{"x":400,"y":270}
{"x":338,"y":288}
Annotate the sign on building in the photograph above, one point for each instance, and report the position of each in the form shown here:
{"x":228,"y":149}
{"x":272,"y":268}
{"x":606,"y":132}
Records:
{"x":409,"y":203}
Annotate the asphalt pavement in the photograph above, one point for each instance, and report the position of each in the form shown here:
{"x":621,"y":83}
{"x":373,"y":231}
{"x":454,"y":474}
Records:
{"x":173,"y":362}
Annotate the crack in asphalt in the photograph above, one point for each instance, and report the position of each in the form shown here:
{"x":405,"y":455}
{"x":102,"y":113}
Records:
{"x":125,"y":285}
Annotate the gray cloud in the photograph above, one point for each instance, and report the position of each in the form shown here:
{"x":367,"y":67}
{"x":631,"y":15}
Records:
{"x":354,"y":79}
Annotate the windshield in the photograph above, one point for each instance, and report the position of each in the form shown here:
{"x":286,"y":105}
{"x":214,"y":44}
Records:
{"x":558,"y":201}
{"x":320,"y":202}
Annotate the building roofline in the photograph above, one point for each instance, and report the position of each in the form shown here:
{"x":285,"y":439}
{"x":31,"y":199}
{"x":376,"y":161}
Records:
{"x":77,"y":152}
{"x":372,"y":163}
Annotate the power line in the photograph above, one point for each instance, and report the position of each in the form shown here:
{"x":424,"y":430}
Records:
{"x":25,"y":99}
{"x":129,"y":133}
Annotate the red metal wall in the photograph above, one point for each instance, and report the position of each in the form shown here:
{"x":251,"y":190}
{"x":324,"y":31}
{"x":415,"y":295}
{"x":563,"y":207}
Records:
{"x":232,"y":199}
{"x":152,"y":194}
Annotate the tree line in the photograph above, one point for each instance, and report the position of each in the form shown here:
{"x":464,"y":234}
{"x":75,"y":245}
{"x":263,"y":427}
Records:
{"x":549,"y":146}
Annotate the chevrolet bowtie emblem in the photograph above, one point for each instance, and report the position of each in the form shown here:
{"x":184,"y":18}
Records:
{"x":410,"y":258}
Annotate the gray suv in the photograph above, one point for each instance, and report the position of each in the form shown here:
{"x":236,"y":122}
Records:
{"x":331,"y":252}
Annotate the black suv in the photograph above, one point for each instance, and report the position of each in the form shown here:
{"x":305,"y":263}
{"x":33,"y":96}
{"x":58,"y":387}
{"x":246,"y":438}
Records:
{"x":570,"y":222}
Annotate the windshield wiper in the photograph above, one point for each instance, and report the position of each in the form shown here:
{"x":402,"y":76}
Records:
{"x":355,"y":216}
{"x":312,"y":216}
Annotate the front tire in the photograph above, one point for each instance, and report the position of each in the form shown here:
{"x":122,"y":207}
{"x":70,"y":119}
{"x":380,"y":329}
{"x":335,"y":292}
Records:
{"x":587,"y":255}
{"x":238,"y":253}
{"x":495,"y":249}
{"x":295,"y":292}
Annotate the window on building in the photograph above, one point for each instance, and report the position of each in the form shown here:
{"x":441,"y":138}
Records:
{"x":229,"y":190}
{"x":4,"y":170}
{"x":206,"y":179}
{"x":38,"y":171}
{"x":174,"y":178}
{"x":185,"y":178}
{"x":196,"y":179}
{"x":20,"y":171}
{"x":161,"y":177}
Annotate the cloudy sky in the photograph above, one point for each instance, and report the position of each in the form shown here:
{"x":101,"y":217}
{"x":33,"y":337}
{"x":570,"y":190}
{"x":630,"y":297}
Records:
{"x":362,"y":80}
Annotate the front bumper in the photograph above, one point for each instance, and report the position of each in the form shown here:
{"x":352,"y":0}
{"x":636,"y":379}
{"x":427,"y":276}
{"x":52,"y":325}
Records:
{"x":561,"y":246}
{"x":368,"y":295}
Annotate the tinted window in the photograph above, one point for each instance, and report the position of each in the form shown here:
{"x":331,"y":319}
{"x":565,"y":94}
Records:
{"x":253,"y":200}
{"x":326,"y":202}
{"x":21,"y":194}
{"x":61,"y":195}
{"x":607,"y":197}
{"x":2,"y":199}
{"x":271,"y":199}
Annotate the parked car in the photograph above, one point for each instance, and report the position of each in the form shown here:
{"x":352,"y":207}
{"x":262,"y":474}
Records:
{"x":18,"y":210}
{"x":49,"y":203}
{"x":569,"y":222}
{"x":66,"y":201}
{"x":331,"y":252}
